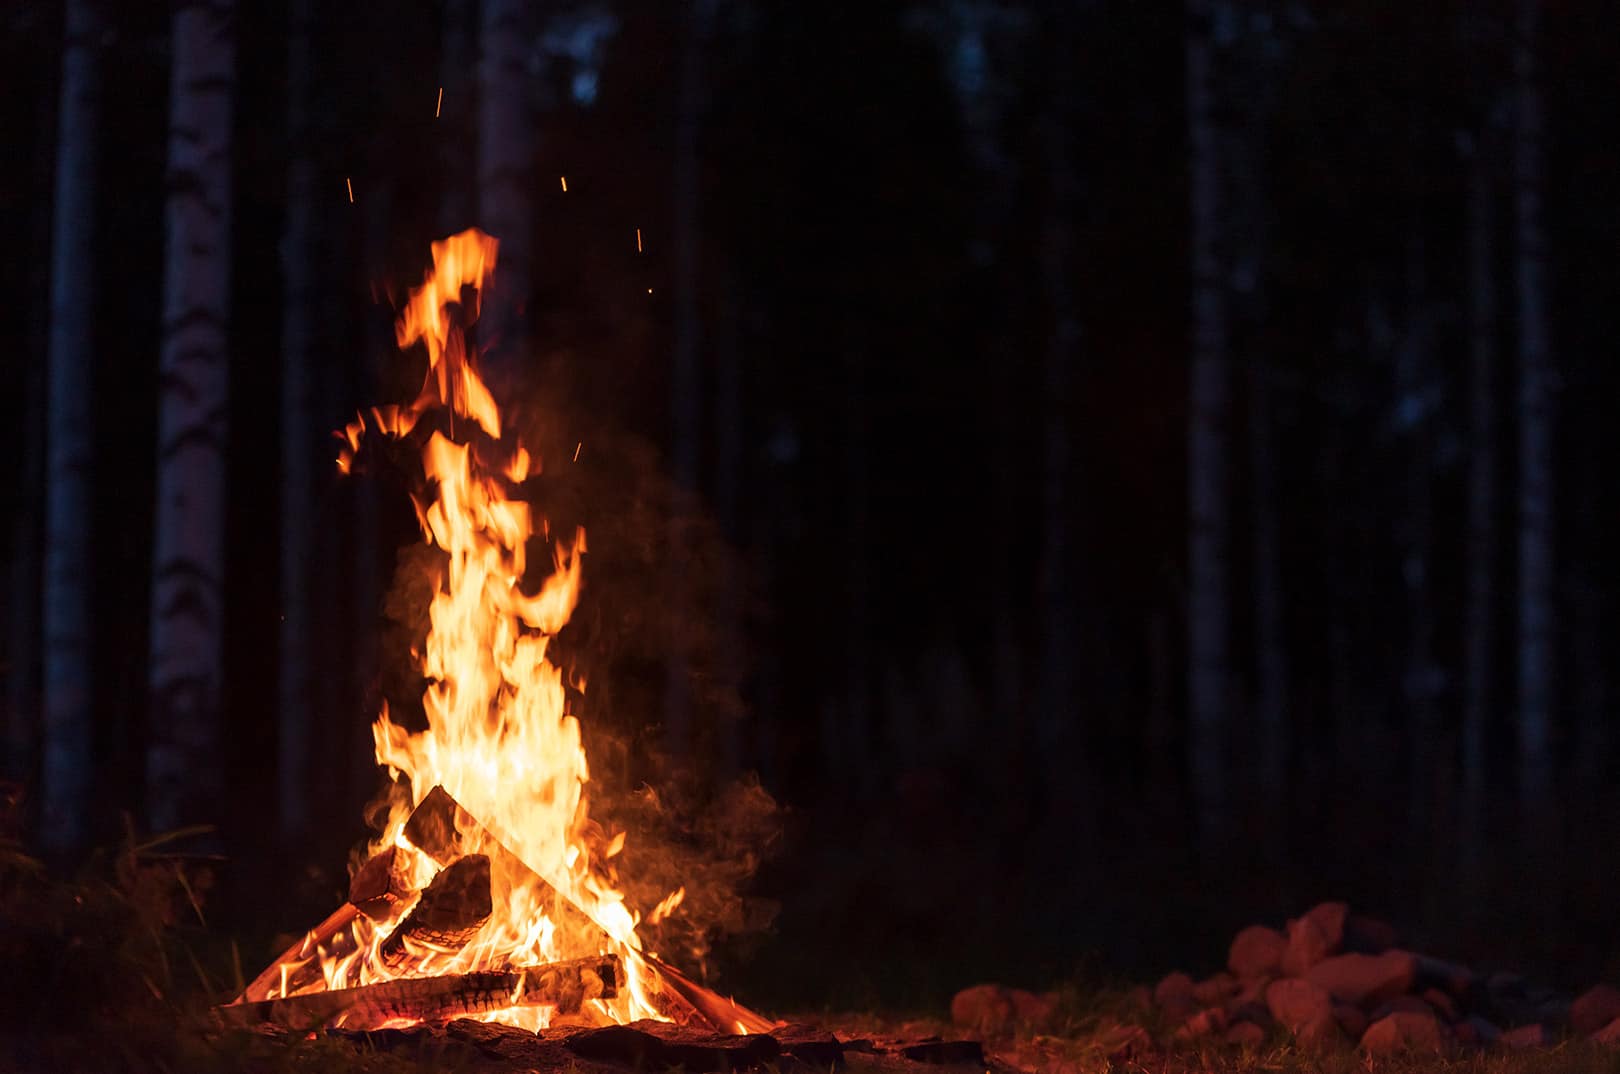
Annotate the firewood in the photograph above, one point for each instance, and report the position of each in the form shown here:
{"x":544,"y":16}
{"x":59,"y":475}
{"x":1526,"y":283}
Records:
{"x":301,"y":959}
{"x":377,"y":885}
{"x":564,"y":986}
{"x":448,"y":915}
{"x":443,"y":829}
{"x":380,"y":883}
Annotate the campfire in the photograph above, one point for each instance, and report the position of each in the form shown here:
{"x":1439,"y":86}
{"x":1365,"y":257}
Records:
{"x":489,"y":893}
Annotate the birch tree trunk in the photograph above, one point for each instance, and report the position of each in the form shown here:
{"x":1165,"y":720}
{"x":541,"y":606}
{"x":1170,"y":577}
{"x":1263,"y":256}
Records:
{"x":1535,"y":406}
{"x":1209,"y":406}
{"x":66,"y":775}
{"x":1479,"y":620}
{"x":184,"y":768}
{"x":297,"y":435}
{"x":506,"y":148}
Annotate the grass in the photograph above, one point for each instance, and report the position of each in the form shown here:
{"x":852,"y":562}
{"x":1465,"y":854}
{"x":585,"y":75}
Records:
{"x":114,"y":968}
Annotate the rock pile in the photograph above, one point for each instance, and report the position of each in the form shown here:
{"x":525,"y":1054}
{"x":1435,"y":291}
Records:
{"x":1331,"y":977}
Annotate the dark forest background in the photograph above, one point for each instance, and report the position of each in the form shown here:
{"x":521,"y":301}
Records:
{"x":1112,"y":471}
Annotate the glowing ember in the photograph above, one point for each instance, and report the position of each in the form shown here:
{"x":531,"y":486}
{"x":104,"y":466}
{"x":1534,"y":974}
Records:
{"x":499,"y":738}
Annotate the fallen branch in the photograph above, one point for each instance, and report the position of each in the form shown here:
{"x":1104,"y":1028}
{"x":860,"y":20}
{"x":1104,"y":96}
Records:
{"x":563,"y":986}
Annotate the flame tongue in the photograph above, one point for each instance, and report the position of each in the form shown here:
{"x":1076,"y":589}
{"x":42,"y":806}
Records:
{"x":499,"y":738}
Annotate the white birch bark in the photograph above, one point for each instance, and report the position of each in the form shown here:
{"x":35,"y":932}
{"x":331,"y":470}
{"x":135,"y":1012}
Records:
{"x":185,"y":771}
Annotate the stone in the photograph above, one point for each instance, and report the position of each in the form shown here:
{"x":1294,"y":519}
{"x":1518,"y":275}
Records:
{"x":1245,"y":1035}
{"x":1304,"y":1009}
{"x":1443,"y":1004}
{"x":1609,"y":1034}
{"x":1534,"y":1035}
{"x":1368,"y":935}
{"x":1206,"y":1023}
{"x":1502,"y":983}
{"x":1404,"y":1031}
{"x":1313,"y":937}
{"x":1256,"y":951}
{"x":1216,"y":990}
{"x":1483,"y":1030}
{"x":1174,"y":996}
{"x":1350,"y":1019}
{"x":1453,"y":978}
{"x":1254,"y":1011}
{"x":1365,"y":980}
{"x":987,"y":1009}
{"x":1399,"y":1005}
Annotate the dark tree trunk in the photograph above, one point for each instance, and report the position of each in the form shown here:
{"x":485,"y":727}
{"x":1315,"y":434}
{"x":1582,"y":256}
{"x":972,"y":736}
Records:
{"x":1480,"y":612}
{"x":506,"y":151}
{"x":1271,"y":651}
{"x":686,"y":377}
{"x":1535,"y":406}
{"x":458,"y":74}
{"x":1209,"y":406}
{"x":66,"y":775}
{"x":298,"y":436}
{"x":185,"y":771}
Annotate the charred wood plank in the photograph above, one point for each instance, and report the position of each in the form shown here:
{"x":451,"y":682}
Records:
{"x":448,"y":915}
{"x":563,"y":986}
{"x":380,"y":883}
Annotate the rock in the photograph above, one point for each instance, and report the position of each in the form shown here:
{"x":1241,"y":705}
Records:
{"x":1453,"y":978}
{"x":1368,"y":935}
{"x":1365,"y":980}
{"x":1534,"y":1035}
{"x":1404,"y":1031}
{"x":1254,"y":1011}
{"x":1609,"y":1034}
{"x":1504,"y":984}
{"x":1553,"y":1012}
{"x":1033,"y":1010}
{"x":945,"y":1052}
{"x":1304,"y":1009}
{"x":1313,"y":937}
{"x":1400,"y":1005}
{"x":1139,"y":997}
{"x":1205,"y":1023}
{"x":987,"y":1009}
{"x":1350,"y":1019}
{"x":1256,"y":951}
{"x":1215,"y":991}
{"x":1443,"y":1004}
{"x":1174,"y":996}
{"x":1245,"y":1035}
{"x":1482,"y":1030}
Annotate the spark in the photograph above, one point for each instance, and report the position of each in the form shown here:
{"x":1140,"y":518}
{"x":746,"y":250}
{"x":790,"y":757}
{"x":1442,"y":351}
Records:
{"x":564,"y":179}
{"x":649,"y":290}
{"x":440,"y":105}
{"x":638,"y":240}
{"x":576,"y":450}
{"x":350,"y":184}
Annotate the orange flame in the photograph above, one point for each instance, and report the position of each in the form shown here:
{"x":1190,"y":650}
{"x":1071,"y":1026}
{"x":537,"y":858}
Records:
{"x":499,"y":737}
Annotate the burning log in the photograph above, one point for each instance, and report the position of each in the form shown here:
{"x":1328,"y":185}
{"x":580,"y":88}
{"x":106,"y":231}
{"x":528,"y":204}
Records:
{"x":378,"y":884}
{"x":442,"y":828}
{"x":563,"y":986}
{"x":448,"y":915}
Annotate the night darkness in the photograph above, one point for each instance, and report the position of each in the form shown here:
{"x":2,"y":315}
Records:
{"x":1064,"y":480}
